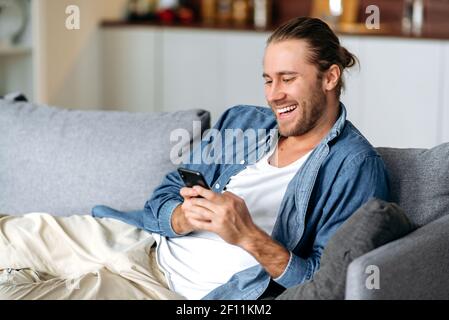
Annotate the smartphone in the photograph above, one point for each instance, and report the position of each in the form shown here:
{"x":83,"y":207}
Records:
{"x":192,"y":178}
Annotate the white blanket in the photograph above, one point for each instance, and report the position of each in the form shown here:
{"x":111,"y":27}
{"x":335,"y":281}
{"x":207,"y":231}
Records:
{"x":77,"y":257}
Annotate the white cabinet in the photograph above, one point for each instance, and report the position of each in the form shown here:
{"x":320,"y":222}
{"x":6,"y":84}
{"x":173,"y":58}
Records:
{"x":243,"y":68}
{"x":212,"y":70}
{"x":157,"y":69}
{"x":400,"y":93}
{"x":444,"y":87}
{"x":398,"y":97}
{"x":129,"y":69}
{"x":191,"y":76}
{"x":352,"y":95}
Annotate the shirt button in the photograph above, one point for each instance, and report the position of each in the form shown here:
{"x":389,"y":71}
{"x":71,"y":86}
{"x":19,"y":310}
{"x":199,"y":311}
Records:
{"x":217,"y":186}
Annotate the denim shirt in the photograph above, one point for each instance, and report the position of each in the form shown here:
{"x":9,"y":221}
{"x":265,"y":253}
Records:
{"x":342,"y":173}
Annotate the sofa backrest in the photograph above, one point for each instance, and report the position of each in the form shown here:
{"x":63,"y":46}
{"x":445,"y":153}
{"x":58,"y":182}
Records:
{"x":419,"y":181}
{"x":66,"y":161}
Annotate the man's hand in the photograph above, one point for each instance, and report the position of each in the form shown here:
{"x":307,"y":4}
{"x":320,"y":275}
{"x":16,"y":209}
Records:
{"x":224,"y":214}
{"x":227,"y":215}
{"x":179,"y":222}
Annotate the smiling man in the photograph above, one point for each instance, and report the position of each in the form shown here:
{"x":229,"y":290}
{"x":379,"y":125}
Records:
{"x":264,"y":225}
{"x":275,"y":216}
{"x":261,"y":228}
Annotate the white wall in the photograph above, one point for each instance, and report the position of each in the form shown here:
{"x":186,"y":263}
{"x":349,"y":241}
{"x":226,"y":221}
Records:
{"x":444,"y":120}
{"x":69,"y":60}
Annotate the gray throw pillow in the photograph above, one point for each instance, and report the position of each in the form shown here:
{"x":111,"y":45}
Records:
{"x":372,"y":225}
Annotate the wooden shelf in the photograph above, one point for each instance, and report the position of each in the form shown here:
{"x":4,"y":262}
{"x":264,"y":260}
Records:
{"x":438,"y":32}
{"x":191,"y":25}
{"x":436,"y":23}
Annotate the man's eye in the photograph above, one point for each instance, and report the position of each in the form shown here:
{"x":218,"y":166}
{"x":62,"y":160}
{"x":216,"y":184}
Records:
{"x":268,"y":81}
{"x":287,"y":80}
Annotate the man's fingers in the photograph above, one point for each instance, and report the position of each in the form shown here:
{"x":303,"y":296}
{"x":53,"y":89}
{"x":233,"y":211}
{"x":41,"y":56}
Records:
{"x":202,"y":225}
{"x":202,"y":202}
{"x":196,"y":212}
{"x":188,"y":192}
{"x":205,"y":193}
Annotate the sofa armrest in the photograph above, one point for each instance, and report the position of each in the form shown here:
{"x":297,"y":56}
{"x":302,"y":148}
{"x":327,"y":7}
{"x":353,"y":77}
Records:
{"x":413,"y":267}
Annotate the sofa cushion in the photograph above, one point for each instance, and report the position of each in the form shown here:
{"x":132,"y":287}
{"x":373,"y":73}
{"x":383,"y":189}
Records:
{"x":372,"y":225}
{"x":419,"y":181}
{"x":66,"y":161}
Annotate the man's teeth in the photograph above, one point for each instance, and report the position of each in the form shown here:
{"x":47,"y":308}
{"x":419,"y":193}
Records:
{"x":287,"y":109}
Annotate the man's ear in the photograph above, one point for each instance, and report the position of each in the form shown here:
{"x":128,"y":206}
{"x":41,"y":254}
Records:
{"x":331,"y":78}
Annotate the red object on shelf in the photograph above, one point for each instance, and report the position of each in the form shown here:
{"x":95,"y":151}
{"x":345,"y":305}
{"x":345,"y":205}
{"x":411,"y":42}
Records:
{"x":166,"y":15}
{"x":185,"y":15}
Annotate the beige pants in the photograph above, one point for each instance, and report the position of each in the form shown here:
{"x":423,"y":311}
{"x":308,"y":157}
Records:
{"x":77,"y":257}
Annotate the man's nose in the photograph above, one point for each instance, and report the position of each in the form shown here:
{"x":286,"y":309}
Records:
{"x":274,"y":94}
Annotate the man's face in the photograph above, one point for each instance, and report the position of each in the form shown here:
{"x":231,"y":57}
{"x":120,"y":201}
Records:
{"x":292,"y":87}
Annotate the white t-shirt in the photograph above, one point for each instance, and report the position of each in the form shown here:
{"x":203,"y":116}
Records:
{"x":197,"y":263}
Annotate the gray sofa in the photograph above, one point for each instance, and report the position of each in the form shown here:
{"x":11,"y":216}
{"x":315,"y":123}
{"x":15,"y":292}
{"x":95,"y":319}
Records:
{"x":415,"y":266}
{"x":64,"y":162}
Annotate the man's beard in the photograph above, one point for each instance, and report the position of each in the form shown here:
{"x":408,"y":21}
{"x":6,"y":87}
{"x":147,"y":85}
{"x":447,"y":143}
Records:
{"x":311,"y":112}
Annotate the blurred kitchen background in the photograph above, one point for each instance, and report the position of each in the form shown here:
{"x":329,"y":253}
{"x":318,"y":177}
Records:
{"x":166,"y":55}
